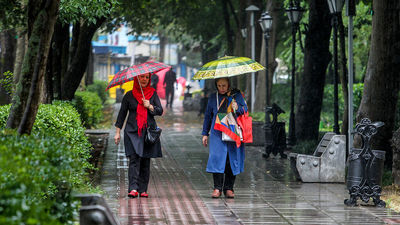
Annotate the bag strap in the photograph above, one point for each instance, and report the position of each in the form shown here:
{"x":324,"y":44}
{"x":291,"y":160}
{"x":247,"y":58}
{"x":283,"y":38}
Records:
{"x":219,"y":104}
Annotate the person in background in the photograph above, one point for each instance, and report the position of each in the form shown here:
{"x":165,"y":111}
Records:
{"x":142,"y":108}
{"x":225,"y":160}
{"x":154,"y":81}
{"x":169,"y":81}
{"x":203,"y":101}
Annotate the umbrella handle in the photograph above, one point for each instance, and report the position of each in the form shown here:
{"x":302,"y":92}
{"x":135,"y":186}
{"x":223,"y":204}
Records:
{"x":141,"y":88}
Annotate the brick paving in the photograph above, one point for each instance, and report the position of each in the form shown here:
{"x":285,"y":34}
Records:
{"x":266,"y":193}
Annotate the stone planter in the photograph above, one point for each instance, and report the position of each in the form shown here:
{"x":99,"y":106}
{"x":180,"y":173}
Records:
{"x":258,"y":134}
{"x":99,"y":141}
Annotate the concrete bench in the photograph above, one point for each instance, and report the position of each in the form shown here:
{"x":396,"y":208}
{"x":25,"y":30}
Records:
{"x":327,"y":164}
{"x":95,"y":211}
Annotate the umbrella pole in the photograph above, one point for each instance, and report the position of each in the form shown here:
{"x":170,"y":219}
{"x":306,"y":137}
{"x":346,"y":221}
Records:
{"x":141,"y":89}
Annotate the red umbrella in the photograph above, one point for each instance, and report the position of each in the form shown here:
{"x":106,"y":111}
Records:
{"x":129,"y":73}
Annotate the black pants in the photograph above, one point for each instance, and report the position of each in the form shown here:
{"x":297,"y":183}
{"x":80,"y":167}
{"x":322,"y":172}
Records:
{"x":224,"y":184}
{"x":169,"y":95}
{"x":138,"y":173}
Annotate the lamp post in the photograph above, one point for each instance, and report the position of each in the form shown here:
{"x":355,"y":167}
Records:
{"x":266,"y":25}
{"x":252,"y":9}
{"x":335,"y":8}
{"x":294,"y":13}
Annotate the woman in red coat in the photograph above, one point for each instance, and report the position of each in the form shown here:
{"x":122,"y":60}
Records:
{"x":141,"y":115}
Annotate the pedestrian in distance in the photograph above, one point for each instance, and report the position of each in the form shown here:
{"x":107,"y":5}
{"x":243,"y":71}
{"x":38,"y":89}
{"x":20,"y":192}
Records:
{"x":154,"y":81}
{"x":226,"y":160}
{"x":142,"y":108}
{"x":169,"y":81}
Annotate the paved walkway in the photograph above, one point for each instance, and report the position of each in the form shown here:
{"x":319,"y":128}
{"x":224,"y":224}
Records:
{"x":266,"y":193}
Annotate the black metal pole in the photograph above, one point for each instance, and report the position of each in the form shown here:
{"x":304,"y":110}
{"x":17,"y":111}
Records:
{"x":335,"y":88}
{"x":267,"y":125}
{"x":292,"y":130}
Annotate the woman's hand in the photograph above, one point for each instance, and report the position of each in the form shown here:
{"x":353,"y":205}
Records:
{"x":117,"y":138}
{"x":205,"y":141}
{"x":234,"y":105}
{"x":147,"y":105}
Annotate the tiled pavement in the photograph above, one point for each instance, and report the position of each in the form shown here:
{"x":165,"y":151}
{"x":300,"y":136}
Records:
{"x":266,"y":193}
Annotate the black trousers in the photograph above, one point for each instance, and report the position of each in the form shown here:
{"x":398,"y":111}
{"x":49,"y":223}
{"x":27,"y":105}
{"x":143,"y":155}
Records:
{"x":138,"y":173}
{"x":224,"y":184}
{"x":169,"y":95}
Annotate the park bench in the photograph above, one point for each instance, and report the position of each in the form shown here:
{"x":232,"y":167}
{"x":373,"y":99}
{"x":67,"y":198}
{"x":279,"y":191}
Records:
{"x":95,"y":211}
{"x":327,"y":164}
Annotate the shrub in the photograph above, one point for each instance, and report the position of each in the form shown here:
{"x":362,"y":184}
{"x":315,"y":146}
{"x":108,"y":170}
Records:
{"x":99,"y":87}
{"x":38,"y":172}
{"x":89,"y":106}
{"x":36,"y":177}
{"x":60,"y":120}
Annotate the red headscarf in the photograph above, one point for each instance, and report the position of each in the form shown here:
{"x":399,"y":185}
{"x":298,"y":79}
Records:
{"x":141,"y":111}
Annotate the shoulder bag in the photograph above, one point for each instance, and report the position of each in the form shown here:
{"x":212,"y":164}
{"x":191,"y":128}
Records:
{"x":152,"y":135}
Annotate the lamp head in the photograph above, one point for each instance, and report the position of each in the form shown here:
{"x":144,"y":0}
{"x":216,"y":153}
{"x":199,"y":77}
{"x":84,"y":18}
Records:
{"x":294,"y":12}
{"x":335,"y":6}
{"x":265,"y":22}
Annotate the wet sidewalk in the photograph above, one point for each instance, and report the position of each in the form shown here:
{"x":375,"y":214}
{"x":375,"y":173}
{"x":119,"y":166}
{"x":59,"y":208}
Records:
{"x":266,"y":192}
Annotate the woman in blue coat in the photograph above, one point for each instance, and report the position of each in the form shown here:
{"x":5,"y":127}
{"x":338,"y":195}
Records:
{"x":225,"y":159}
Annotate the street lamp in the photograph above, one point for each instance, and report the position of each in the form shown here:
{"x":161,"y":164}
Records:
{"x":335,"y":8}
{"x":252,"y":9}
{"x":294,"y":13}
{"x":266,"y":25}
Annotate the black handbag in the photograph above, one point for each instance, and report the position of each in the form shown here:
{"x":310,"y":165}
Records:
{"x":152,"y":135}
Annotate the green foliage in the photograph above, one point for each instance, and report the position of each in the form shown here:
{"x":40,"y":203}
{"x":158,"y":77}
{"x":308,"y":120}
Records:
{"x":327,"y":103}
{"x":305,"y":147}
{"x":72,"y":11}
{"x":89,"y":106}
{"x":7,"y":82}
{"x":99,"y":87}
{"x":36,"y":179}
{"x":257,"y":116}
{"x":387,"y":178}
{"x":39,"y":172}
{"x":11,"y":14}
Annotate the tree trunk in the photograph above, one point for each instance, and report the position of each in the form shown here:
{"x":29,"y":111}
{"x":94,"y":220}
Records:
{"x":22,"y":46}
{"x":7,"y":56}
{"x":58,"y":61}
{"x":163,"y":43}
{"x":89,"y":78}
{"x":79,"y":59}
{"x":382,"y":80}
{"x":396,"y":157}
{"x":344,"y":78}
{"x":316,"y":59}
{"x":25,"y":103}
{"x":228,"y":30}
{"x":209,"y":53}
{"x":240,"y":44}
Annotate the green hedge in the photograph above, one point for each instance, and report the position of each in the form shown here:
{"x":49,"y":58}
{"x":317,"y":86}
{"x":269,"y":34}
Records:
{"x":99,"y":87}
{"x":89,"y":106}
{"x":36,"y":175}
{"x":38,"y":172}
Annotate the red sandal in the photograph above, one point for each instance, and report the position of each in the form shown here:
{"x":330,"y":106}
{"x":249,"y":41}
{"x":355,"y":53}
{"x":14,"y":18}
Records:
{"x":133,"y":194}
{"x":144,"y":195}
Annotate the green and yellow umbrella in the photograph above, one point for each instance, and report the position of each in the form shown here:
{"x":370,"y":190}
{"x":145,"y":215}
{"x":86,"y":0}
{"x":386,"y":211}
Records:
{"x":227,"y":66}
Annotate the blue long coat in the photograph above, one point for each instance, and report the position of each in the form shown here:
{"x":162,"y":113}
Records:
{"x":218,"y":148}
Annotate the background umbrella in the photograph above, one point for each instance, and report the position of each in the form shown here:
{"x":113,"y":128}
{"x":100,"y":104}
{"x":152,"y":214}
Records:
{"x":131,"y":72}
{"x":227,"y":66}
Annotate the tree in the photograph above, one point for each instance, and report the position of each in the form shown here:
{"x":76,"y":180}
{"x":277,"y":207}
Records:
{"x":276,"y":12}
{"x":316,"y":59}
{"x":382,"y":80}
{"x":42,"y":15}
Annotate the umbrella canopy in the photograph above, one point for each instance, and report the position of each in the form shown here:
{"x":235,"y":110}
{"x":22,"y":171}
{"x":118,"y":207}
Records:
{"x":129,"y":73}
{"x":227,"y":66}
